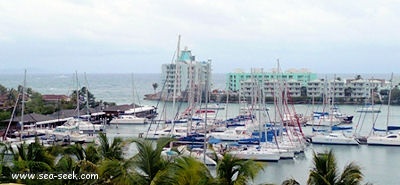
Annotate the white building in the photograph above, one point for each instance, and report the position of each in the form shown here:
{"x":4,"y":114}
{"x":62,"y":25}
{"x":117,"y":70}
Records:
{"x":337,"y":87}
{"x":269,"y":88}
{"x":186,"y":74}
{"x":315,"y":88}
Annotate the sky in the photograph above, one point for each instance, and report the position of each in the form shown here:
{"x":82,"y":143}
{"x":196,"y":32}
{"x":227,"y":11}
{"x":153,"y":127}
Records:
{"x":138,"y":36}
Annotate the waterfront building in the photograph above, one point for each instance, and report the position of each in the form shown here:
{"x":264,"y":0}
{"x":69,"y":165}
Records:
{"x":248,"y":84}
{"x":350,"y":88}
{"x":360,"y":88}
{"x":293,"y":88}
{"x":363,"y":88}
{"x":332,"y":88}
{"x":250,"y":89}
{"x":257,"y":74}
{"x":184,"y":74}
{"x":315,"y":88}
{"x":337,"y":86}
{"x":344,"y":90}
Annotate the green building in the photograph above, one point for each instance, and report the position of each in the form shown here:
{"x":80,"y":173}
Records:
{"x":257,"y":74}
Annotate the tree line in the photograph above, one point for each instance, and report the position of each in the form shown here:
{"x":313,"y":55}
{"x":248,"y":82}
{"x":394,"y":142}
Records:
{"x":149,"y":167}
{"x":34,"y":102}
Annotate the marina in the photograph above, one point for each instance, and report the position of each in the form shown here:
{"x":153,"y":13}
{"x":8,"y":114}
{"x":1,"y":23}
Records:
{"x":374,"y":160}
{"x":250,"y":92}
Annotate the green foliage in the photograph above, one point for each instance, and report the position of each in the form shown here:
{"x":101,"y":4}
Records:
{"x":395,"y":96}
{"x":118,"y":172}
{"x":230,"y":167}
{"x":89,"y":153}
{"x":85,"y":97}
{"x":109,"y":150}
{"x":34,"y":102}
{"x":65,"y":164}
{"x":148,"y":160}
{"x":325,"y":171}
{"x":185,"y":170}
{"x":155,"y":86}
{"x":37,"y":105}
{"x":5,"y":115}
{"x":290,"y":182}
{"x":3,"y":90}
{"x":149,"y":167}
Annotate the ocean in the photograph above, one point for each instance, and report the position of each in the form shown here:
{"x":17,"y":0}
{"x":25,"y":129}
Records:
{"x":379,"y":164}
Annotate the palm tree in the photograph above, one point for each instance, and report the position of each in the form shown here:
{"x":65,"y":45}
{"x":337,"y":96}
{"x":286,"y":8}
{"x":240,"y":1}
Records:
{"x":84,"y":154}
{"x":325,"y":171}
{"x":32,"y":158}
{"x":155,"y":86}
{"x":55,"y":150}
{"x":113,"y":150}
{"x":112,"y":171}
{"x":290,"y":182}
{"x":3,"y":150}
{"x":148,"y":160}
{"x":232,"y":170}
{"x":185,"y":171}
{"x":142,"y":168}
{"x":75,"y":161}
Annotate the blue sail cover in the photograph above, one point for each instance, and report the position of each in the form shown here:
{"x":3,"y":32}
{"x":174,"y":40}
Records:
{"x":379,"y":129}
{"x":389,"y":128}
{"x":393,"y":128}
{"x":319,"y":130}
{"x":335,"y":127}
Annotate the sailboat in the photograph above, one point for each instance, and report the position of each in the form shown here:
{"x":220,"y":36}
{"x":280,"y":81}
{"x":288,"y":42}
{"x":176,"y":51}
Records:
{"x":333,"y":138}
{"x":130,"y":119}
{"x":388,"y":138}
{"x":73,"y":130}
{"x":24,"y":135}
{"x":325,"y":118}
{"x":267,"y":149}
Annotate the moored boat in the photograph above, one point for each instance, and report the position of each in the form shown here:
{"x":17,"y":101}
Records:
{"x":392,"y":139}
{"x":334,"y":138}
{"x":129,"y":120}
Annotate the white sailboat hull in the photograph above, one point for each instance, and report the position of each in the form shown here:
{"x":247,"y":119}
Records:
{"x":334,"y":139}
{"x":129,"y":120}
{"x":388,"y":140}
{"x":257,"y":155}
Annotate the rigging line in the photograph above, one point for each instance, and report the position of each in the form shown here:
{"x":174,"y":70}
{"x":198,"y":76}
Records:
{"x":293,"y":112}
{"x":157,"y":105}
{"x":160,"y":97}
{"x":12,"y":117}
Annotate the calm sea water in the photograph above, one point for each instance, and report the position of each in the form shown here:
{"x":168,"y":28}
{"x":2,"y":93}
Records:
{"x":379,"y":164}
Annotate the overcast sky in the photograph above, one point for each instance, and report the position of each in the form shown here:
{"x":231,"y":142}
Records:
{"x":137,"y":36}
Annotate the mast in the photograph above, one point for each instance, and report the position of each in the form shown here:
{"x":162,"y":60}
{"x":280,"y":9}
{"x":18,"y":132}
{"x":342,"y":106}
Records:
{"x":87,"y":95}
{"x":77,"y":94}
{"x":205,"y":117}
{"x":389,"y":98}
{"x":23,"y":104}
{"x":226,"y":103}
{"x":281,"y":88}
{"x":333,"y":101}
{"x":133,"y":95}
{"x":176,"y":78}
{"x":191,"y":96}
